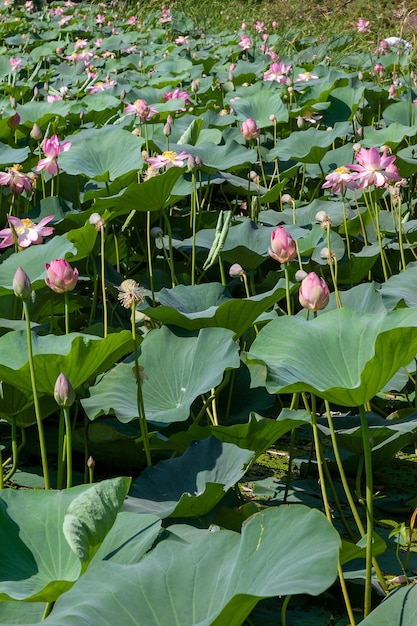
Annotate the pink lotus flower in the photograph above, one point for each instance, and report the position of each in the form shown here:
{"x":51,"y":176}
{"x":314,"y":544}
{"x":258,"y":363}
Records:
{"x":339,"y":180}
{"x":16,"y":181}
{"x":181,"y":40}
{"x":141,"y":109}
{"x":15,"y":63}
{"x":374,"y":168}
{"x":305,"y":77}
{"x":277,"y":72}
{"x":100,"y":86}
{"x":250,"y":129}
{"x":245,"y":43}
{"x":61,"y":277}
{"x":168,"y":159}
{"x":177,"y":94}
{"x":22,"y":286}
{"x":165,"y":15}
{"x":362,"y":26}
{"x":283,"y":247}
{"x":52,"y":149}
{"x":27,"y":232}
{"x":63,"y":392}
{"x":314,"y":293}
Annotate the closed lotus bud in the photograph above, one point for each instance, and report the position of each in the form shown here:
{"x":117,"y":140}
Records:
{"x":156,"y":232}
{"x":300,"y":275}
{"x":61,"y":277}
{"x":13,"y":102}
{"x":283,"y":247}
{"x":90,"y":462}
{"x":13,"y":121}
{"x":314,"y":293}
{"x":36,"y":132}
{"x":63,"y":392}
{"x":167,"y":129}
{"x":250,"y":129}
{"x":236,"y":271}
{"x":22,"y":286}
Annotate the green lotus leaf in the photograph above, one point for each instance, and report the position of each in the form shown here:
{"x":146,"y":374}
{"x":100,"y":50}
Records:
{"x":9,"y":155}
{"x":260,"y":106}
{"x":308,"y":146}
{"x":168,"y":390}
{"x":192,"y":484}
{"x":201,"y":306}
{"x":40,"y":543}
{"x":178,"y":582}
{"x":103,"y":154}
{"x":402,"y":286}
{"x":390,"y":136}
{"x":79,"y":356}
{"x":359,"y":353}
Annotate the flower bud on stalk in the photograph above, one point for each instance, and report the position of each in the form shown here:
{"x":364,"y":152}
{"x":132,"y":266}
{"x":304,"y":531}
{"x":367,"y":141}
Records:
{"x":314,"y":293}
{"x":63,"y":392}
{"x":22,"y":286}
{"x":283,"y":247}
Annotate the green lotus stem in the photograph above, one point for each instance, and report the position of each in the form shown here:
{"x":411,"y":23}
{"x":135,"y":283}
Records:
{"x":332,"y":269}
{"x":170,"y":258}
{"x":222,"y":272}
{"x":400,"y":236}
{"x":15,"y":452}
{"x":261,"y":165}
{"x":214,"y":407}
{"x":103,"y":280}
{"x":193,"y":227}
{"x":149,"y":254}
{"x":60,"y":461}
{"x":290,"y":459}
{"x":345,"y":225}
{"x":38,"y":415}
{"x":66,"y":310}
{"x":320,"y":461}
{"x":1,"y":469}
{"x":284,"y":610}
{"x":116,"y":249}
{"x":48,"y":608}
{"x":141,"y":407}
{"x":68,"y":444}
{"x":337,"y":502}
{"x":287,"y":289}
{"x":367,"y":452}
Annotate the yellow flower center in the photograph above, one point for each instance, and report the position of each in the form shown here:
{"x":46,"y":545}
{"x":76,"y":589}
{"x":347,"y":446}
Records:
{"x":342,"y":170}
{"x":16,"y":168}
{"x":170,"y":155}
{"x":27,"y":224}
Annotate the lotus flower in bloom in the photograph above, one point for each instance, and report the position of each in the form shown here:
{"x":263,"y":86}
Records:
{"x":362,"y":26}
{"x":314,"y":293}
{"x":141,"y":109}
{"x":277,"y":72}
{"x":27,"y":232}
{"x":250,"y":129}
{"x":52,"y":149}
{"x":61,"y":277}
{"x":283,"y":247}
{"x":168,"y":159}
{"x":339,"y":180}
{"x":374,"y":168}
{"x":16,"y":181}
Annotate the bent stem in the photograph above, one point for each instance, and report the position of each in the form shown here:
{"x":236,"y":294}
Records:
{"x":367,"y":452}
{"x":38,"y":415}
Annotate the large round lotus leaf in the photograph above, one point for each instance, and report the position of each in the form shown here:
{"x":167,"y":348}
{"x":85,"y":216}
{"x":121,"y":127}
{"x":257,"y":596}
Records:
{"x":10,"y":155}
{"x":216,"y":579}
{"x":308,"y":146}
{"x":103,"y":154}
{"x":169,"y":389}
{"x":398,"y":609}
{"x":48,"y":537}
{"x":201,"y":306}
{"x":259,"y":106}
{"x":192,"y":484}
{"x":402,"y":286}
{"x":356,"y":353}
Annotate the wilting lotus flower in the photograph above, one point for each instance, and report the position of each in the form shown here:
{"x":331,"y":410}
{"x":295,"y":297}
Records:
{"x":52,"y":149}
{"x":250,"y":129}
{"x":16,"y":181}
{"x":374,"y":168}
{"x":314,"y":293}
{"x":283,"y":247}
{"x":61,"y":276}
{"x":63,"y":392}
{"x":27,"y":232}
{"x":339,"y":180}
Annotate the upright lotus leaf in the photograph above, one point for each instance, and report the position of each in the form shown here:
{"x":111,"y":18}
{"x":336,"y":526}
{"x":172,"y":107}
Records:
{"x":391,"y":135}
{"x":355,"y":353}
{"x":79,"y":356}
{"x":224,"y":157}
{"x":103,"y":154}
{"x":399,"y":608}
{"x":308,"y":146}
{"x":216,"y":579}
{"x":260,"y":106}
{"x":9,"y":155}
{"x":38,"y":562}
{"x":168,"y":389}
{"x":151,"y":195}
{"x":90,"y":516}
{"x":345,"y":102}
{"x":201,"y":306}
{"x":192,"y":484}
{"x":33,"y":260}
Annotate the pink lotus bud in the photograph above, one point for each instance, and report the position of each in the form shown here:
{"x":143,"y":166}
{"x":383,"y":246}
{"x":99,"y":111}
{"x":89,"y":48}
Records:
{"x":63,"y":392}
{"x":13,"y":121}
{"x":61,"y":276}
{"x":91,"y":462}
{"x":36,"y":132}
{"x":314,"y":293}
{"x":283,"y":247}
{"x":22,"y":286}
{"x":250,"y":129}
{"x":236,"y":271}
